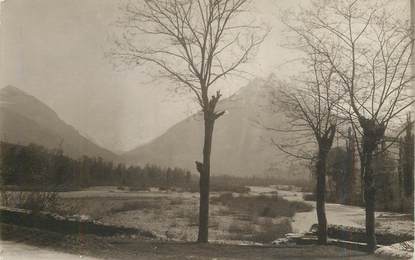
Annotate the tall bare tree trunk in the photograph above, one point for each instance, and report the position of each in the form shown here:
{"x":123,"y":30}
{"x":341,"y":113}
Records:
{"x":372,"y":134}
{"x":321,"y":196}
{"x":412,"y":6}
{"x":370,"y":197}
{"x":204,"y":183}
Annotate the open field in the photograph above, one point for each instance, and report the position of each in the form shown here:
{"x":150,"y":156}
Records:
{"x":175,"y":215}
{"x":234,"y":218}
{"x":262,"y":215}
{"x":255,"y":218}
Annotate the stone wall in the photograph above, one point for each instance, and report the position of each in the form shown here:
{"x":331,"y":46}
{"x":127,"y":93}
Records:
{"x":59,"y":224}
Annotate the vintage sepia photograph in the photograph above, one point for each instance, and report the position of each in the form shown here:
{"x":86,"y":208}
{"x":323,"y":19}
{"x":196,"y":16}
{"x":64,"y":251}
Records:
{"x":207,"y":129}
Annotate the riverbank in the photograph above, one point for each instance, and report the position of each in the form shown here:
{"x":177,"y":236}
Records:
{"x":346,"y":215}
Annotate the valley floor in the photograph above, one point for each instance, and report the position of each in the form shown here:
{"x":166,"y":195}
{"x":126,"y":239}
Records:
{"x":173,"y":216}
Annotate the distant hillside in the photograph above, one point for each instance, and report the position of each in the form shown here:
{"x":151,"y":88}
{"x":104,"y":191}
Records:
{"x":24,"y":119}
{"x":240,"y":146}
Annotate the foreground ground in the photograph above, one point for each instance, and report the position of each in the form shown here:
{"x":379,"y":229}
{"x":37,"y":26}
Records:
{"x":174,"y":215}
{"x":255,"y":217}
{"x":23,"y":242}
{"x":17,"y":251}
{"x":258,"y":216}
{"x":234,"y":218}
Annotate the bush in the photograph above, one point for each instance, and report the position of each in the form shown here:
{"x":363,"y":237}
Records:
{"x":5,"y":198}
{"x":229,"y":188}
{"x":223,"y":197}
{"x":264,"y":232}
{"x":272,"y":231}
{"x":34,"y":201}
{"x":221,"y":187}
{"x":242,"y":228}
{"x":138,"y":188}
{"x":309,"y":197}
{"x":176,"y":201}
{"x":263,"y":206}
{"x":135,"y":205}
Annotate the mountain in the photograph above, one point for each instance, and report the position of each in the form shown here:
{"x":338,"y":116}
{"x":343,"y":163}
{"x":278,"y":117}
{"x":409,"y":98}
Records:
{"x":241,"y":147}
{"x":24,"y":119}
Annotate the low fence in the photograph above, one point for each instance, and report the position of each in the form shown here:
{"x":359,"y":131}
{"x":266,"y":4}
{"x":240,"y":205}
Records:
{"x":59,"y":224}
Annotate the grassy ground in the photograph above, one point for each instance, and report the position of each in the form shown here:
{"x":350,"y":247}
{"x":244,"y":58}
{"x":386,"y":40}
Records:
{"x":174,"y":215}
{"x":140,"y":248}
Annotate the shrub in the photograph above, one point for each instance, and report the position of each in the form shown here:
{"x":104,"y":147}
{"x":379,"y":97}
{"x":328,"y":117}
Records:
{"x":193,"y":217}
{"x":221,"y":187}
{"x":138,"y":188}
{"x":229,"y":188}
{"x":242,"y":228}
{"x":135,"y":205}
{"x":5,"y":198}
{"x":176,"y":201}
{"x":265,"y":232}
{"x":263,"y":206}
{"x":36,"y":201}
{"x":271,"y":231}
{"x":309,"y":196}
{"x":68,"y":209}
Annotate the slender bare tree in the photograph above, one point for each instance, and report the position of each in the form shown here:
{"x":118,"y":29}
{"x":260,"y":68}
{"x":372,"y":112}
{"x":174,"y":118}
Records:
{"x":309,"y":103}
{"x":369,"y":47}
{"x":194,"y":43}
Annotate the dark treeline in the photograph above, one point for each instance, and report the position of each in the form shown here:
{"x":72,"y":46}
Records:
{"x":394,"y":167}
{"x":34,"y":166}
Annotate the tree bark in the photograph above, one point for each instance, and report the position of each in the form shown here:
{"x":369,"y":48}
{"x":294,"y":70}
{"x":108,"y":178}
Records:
{"x":370,"y":199}
{"x":321,"y":196}
{"x":204,"y":182}
{"x":373,"y":133}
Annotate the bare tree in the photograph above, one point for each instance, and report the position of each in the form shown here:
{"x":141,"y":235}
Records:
{"x":194,"y":43}
{"x":370,"y":50}
{"x":309,"y":104}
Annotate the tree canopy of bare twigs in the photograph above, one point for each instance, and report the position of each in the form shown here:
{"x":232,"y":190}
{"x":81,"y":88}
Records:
{"x":309,"y":103}
{"x":195,"y":44}
{"x":369,"y":47}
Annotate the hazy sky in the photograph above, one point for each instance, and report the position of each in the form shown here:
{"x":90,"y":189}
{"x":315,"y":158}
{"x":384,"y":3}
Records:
{"x":54,"y":50}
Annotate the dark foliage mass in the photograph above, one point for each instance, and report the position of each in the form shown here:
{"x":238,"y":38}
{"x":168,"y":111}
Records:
{"x":34,"y":166}
{"x":340,"y":169}
{"x":262,"y":206}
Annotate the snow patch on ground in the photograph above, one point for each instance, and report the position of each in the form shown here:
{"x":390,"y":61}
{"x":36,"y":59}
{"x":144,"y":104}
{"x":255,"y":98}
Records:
{"x":346,"y":215}
{"x":401,"y":250}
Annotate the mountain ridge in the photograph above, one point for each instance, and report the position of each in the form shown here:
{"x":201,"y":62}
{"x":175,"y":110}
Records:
{"x":240,"y":146}
{"x":25,"y":119}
